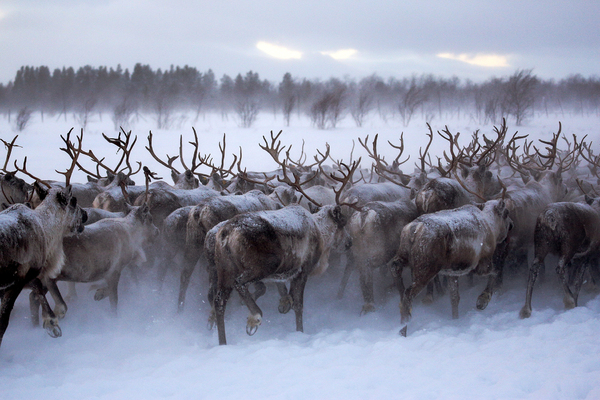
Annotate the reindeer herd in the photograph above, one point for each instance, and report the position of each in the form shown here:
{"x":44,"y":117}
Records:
{"x":477,"y":208}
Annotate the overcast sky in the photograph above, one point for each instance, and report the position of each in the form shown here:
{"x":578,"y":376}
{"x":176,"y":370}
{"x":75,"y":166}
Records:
{"x":309,"y":38}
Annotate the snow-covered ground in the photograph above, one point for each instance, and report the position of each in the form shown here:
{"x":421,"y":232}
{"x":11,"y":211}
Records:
{"x":150,"y":352}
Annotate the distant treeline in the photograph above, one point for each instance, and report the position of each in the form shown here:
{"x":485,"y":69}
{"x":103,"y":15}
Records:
{"x":171,"y":93}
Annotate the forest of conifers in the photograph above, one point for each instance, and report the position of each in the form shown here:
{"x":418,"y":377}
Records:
{"x":164,"y":93}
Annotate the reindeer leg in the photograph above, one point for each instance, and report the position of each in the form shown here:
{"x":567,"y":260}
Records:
{"x":428,"y":299}
{"x":212,"y":292}
{"x":419,"y":282}
{"x":34,"y":308}
{"x":486,"y":296}
{"x":60,"y":308}
{"x":285,"y":300}
{"x":189,"y":264}
{"x":71,"y":293}
{"x":255,"y":317}
{"x":297,"y":292}
{"x":347,"y":272}
{"x":9,"y":296}
{"x":534,"y":270}
{"x":562,"y":271}
{"x":259,"y":290}
{"x":50,"y":321}
{"x":221,"y":297}
{"x":578,"y":281}
{"x":499,"y":259}
{"x":113,"y":290}
{"x":366,"y":286}
{"x":454,"y":295}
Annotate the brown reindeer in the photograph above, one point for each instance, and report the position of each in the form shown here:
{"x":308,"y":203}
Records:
{"x":572,"y":232}
{"x":203,"y":217}
{"x":286,"y":244}
{"x":450,"y":242}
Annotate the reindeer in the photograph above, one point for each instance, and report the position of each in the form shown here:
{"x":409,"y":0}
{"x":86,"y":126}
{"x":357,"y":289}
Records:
{"x":100,"y":253}
{"x":286,"y":244}
{"x":31,"y":245}
{"x":203,"y":217}
{"x":572,"y":232}
{"x":375,"y":232}
{"x":449,"y":242}
{"x":525,"y":203}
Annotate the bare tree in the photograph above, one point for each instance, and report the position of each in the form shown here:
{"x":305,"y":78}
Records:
{"x":328,"y":108}
{"x":363,"y":104}
{"x":123,"y":113}
{"x":520,"y":94}
{"x":85,"y":110}
{"x":288,"y":96}
{"x":247,"y":92}
{"x":23,"y":118}
{"x":410,"y":100}
{"x":247,"y":111}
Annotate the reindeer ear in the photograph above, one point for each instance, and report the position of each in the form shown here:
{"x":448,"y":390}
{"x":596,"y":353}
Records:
{"x":589,"y":199}
{"x":480,"y":205}
{"x":464,"y":171}
{"x":73,"y":202}
{"x":312,"y":208}
{"x":174,"y":176}
{"x":337,"y":216}
{"x":91,"y":179}
{"x":62,"y":198}
{"x":413,"y":193}
{"x":404,"y":178}
{"x":41,"y":192}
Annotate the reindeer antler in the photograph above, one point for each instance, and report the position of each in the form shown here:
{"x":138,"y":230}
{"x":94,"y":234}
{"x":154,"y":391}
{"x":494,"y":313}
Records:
{"x":9,"y":148}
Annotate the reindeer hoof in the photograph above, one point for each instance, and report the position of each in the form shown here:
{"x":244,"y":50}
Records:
{"x":52,"y":329}
{"x":569,"y":303}
{"x":367,"y":308}
{"x":253,"y":322}
{"x":482,"y":301}
{"x":403,"y":331}
{"x":212,"y":320}
{"x":525,"y":313}
{"x":100,"y":294}
{"x":285,"y":304}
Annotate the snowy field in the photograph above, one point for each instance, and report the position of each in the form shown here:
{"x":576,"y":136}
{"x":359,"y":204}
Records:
{"x":150,"y":352}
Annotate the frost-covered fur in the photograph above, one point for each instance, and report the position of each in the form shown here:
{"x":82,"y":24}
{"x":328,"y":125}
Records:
{"x":287,"y":244}
{"x":441,"y":194}
{"x":102,"y":251}
{"x":451,"y":242}
{"x":385,"y":191}
{"x":288,"y":195}
{"x":31,"y":244}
